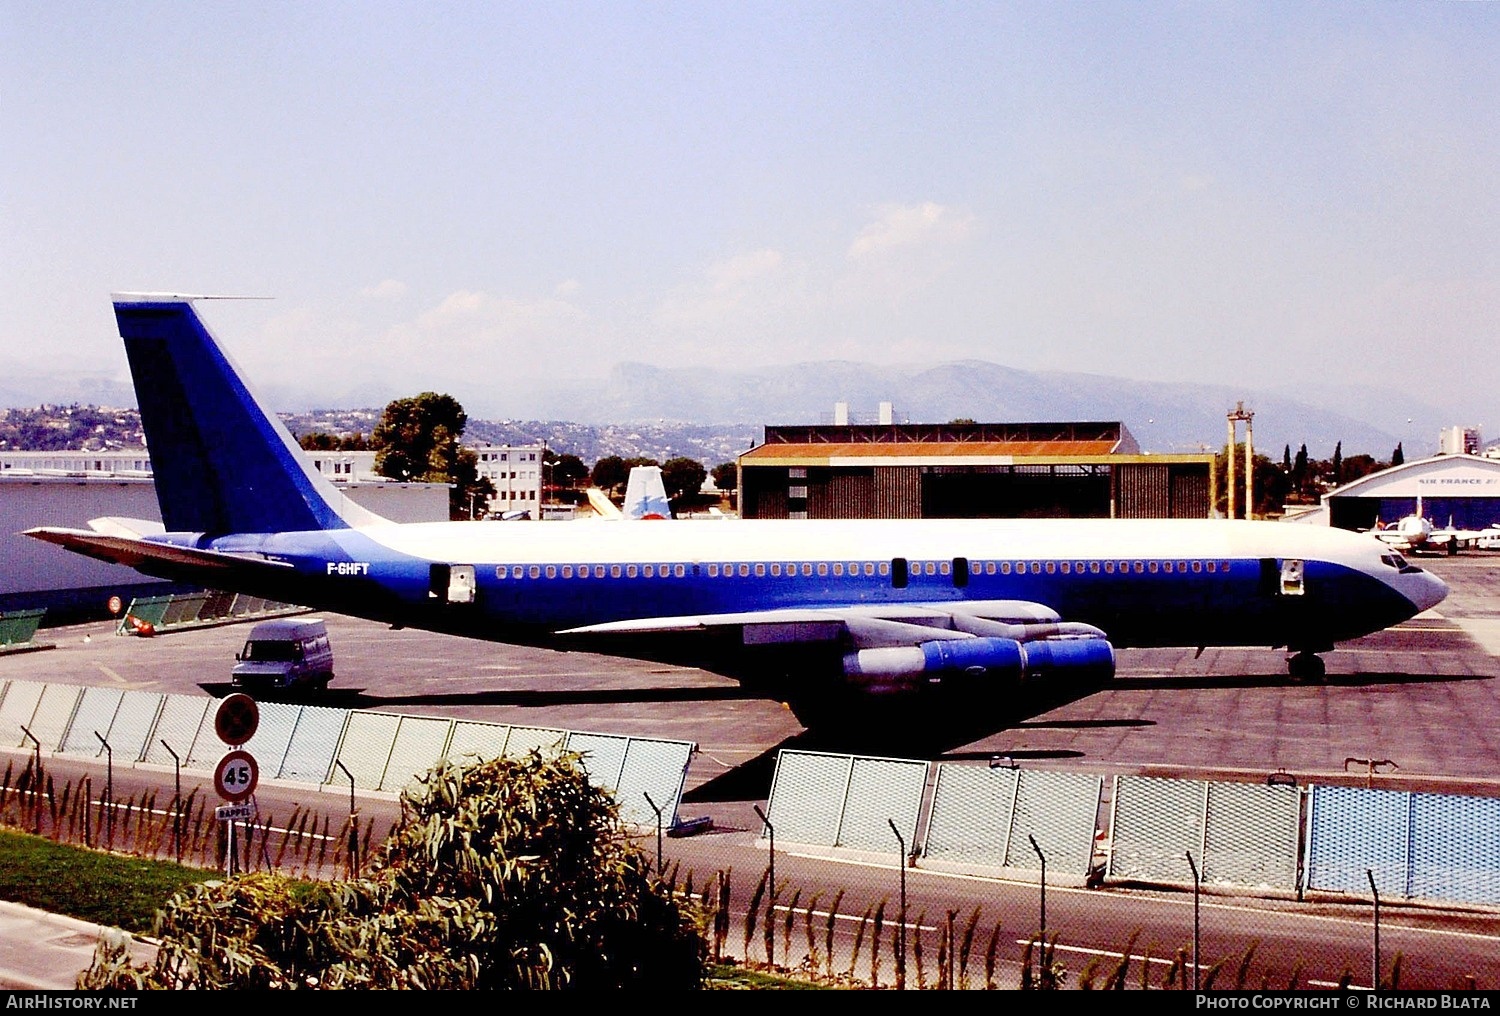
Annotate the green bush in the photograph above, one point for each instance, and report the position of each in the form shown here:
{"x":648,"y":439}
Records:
{"x":508,"y":873}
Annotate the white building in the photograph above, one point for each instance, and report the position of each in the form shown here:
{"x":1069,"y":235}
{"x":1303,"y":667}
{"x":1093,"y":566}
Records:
{"x":1460,"y":441}
{"x":516,"y":473}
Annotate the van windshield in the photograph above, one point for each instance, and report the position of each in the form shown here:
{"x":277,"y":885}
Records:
{"x":271,"y":651}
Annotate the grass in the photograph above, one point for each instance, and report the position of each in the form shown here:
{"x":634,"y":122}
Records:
{"x":109,"y":889}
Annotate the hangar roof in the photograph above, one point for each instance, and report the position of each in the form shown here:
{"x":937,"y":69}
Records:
{"x":972,"y":443}
{"x":1439,"y":476}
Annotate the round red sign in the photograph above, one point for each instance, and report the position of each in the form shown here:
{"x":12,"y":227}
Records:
{"x":236,"y":719}
{"x":236,"y":775}
{"x":115,"y":604}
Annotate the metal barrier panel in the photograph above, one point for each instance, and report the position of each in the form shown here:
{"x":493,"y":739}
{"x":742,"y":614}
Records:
{"x":309,"y":756}
{"x":16,"y":711}
{"x":542,"y":739}
{"x":53,"y":713}
{"x":149,"y":609}
{"x":418,"y":744}
{"x":182,"y":716}
{"x":477,"y":740}
{"x":1155,"y":823}
{"x":246,"y":604}
{"x":216,"y":605}
{"x":366,"y":747}
{"x":183,"y":609}
{"x":1454,"y":855}
{"x":1061,"y":812}
{"x":808,"y":791}
{"x":95,"y":712}
{"x":1352,"y":831}
{"x":1252,"y":836}
{"x":603,"y":756}
{"x":970,"y":815}
{"x":130,"y":733}
{"x":883,"y":791}
{"x":18,"y":627}
{"x":658,"y":768}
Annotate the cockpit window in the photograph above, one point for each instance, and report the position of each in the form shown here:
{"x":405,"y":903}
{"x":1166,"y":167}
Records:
{"x":1399,"y":563}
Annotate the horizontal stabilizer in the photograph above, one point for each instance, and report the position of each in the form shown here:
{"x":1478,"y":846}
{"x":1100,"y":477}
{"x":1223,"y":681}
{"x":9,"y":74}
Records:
{"x":204,"y":566}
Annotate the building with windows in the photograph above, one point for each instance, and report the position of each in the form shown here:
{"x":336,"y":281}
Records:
{"x":969,"y":470}
{"x":516,"y":473}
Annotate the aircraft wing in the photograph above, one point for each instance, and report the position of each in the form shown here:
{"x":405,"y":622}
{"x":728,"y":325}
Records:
{"x":865,"y":627}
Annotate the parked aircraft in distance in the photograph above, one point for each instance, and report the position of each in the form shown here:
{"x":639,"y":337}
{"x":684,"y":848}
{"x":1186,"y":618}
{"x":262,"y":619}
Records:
{"x":826,"y":615}
{"x":645,"y":498}
{"x":1416,"y":533}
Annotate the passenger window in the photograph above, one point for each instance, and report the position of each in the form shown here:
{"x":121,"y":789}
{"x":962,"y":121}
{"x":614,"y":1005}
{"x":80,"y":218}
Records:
{"x":898,"y":573}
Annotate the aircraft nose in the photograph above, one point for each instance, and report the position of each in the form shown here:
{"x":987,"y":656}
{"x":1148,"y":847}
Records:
{"x":1428,"y":592}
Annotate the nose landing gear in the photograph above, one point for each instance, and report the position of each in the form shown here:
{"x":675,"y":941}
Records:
{"x":1306,"y":666}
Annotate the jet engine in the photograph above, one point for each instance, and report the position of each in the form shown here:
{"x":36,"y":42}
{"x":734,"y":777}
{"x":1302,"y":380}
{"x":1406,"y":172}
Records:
{"x":896,"y":670}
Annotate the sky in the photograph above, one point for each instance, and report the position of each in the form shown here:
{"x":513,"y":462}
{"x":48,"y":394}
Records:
{"x":472,"y":197}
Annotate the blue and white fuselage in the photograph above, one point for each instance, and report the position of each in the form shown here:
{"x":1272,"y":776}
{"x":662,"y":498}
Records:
{"x":875,"y":607}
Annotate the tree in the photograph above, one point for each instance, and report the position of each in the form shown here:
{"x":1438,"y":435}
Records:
{"x":514,"y":872}
{"x":726,"y":476}
{"x":1286,"y":460}
{"x":569,"y":471}
{"x":1271,"y":485}
{"x":1336,"y":470}
{"x":417,"y":440}
{"x":1397,"y":456}
{"x":682,"y":477}
{"x":318,"y":441}
{"x":1299,"y":473}
{"x":610,"y":472}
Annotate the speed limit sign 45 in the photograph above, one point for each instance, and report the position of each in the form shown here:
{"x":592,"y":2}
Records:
{"x":236,"y":775}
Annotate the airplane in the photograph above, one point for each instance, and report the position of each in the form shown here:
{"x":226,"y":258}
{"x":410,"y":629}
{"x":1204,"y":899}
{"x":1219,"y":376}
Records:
{"x":837,"y":619}
{"x":645,"y":498}
{"x":1416,"y":533}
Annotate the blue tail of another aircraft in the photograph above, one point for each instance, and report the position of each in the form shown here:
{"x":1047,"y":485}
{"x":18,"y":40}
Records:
{"x":222,"y":462}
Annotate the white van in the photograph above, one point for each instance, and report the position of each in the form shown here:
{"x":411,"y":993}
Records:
{"x":285,"y":653}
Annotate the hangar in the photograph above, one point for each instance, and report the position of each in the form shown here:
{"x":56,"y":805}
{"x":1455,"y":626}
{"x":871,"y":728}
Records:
{"x":1459,"y":490}
{"x":969,"y":470}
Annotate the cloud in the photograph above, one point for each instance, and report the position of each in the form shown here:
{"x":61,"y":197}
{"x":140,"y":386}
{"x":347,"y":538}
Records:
{"x":388,"y":289}
{"x":907,"y":225}
{"x":726,"y":288}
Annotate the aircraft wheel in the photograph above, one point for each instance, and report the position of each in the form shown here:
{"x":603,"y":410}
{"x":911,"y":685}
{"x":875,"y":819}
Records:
{"x":1306,"y":667}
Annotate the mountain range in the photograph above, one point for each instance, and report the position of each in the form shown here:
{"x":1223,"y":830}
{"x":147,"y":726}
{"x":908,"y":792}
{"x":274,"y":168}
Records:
{"x":1164,"y":417}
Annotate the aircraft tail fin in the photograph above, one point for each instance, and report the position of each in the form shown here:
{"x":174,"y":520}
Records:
{"x":646,"y":495}
{"x":221,"y":460}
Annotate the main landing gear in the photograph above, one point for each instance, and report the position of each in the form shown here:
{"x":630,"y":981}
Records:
{"x":1306,"y":666}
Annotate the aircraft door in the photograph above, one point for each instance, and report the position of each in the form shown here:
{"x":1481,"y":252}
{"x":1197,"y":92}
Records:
{"x":1291,"y":577}
{"x":452,"y":583}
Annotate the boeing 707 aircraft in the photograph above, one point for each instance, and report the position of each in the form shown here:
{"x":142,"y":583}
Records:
{"x":824,"y":614}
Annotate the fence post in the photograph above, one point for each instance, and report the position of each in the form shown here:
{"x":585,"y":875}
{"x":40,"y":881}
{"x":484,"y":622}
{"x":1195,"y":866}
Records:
{"x":771,"y":869}
{"x":109,"y":787}
{"x":1043,"y":930}
{"x":1194,"y":868}
{"x":176,"y":801}
{"x":36,"y":789}
{"x":1375,"y":980}
{"x":901,"y":926}
{"x":658,"y":831}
